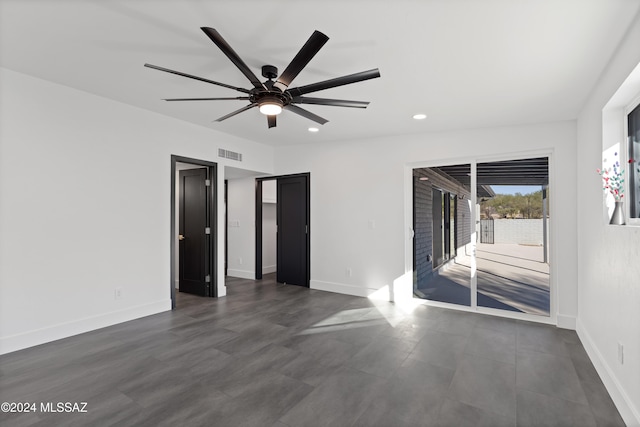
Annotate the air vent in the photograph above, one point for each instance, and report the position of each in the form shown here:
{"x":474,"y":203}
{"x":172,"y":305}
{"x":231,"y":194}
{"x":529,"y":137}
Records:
{"x":229,"y":154}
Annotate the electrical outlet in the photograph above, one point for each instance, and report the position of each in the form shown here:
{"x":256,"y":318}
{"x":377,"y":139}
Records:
{"x":620,"y":353}
{"x":239,"y":260}
{"x":349,"y":272}
{"x":117,"y":293}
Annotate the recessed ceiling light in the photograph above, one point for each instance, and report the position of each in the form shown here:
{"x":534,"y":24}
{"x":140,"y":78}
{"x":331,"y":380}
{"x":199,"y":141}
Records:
{"x":420,"y":116}
{"x":314,"y":130}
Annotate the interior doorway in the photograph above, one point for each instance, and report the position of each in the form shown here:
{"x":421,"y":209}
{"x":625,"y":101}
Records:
{"x":292,"y":230}
{"x":193,"y":227}
{"x":192,"y":220}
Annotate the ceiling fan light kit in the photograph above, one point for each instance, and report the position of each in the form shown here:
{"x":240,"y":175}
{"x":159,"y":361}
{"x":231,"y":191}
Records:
{"x":273,"y":96}
{"x":270,"y":107}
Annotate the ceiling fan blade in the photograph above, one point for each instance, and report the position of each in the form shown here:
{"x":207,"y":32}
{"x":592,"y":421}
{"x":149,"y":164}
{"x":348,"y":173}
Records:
{"x":233,"y":56}
{"x":331,"y":102}
{"x":241,"y":98}
{"x":178,"y":73}
{"x":245,"y":108}
{"x":339,"y":81}
{"x":302,"y":58}
{"x":271,"y":121}
{"x":304,"y":113}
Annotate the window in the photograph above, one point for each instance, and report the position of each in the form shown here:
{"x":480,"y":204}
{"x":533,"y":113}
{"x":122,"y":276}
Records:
{"x":633,"y":134}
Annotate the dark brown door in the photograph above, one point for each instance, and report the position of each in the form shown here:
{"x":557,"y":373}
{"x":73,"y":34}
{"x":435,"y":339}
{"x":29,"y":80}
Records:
{"x":292,"y":220}
{"x":193,"y":234}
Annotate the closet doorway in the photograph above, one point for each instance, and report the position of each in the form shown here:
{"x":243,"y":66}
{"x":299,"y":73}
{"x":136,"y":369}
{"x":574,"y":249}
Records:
{"x":292,"y":237}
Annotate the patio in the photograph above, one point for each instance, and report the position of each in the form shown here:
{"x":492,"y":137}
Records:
{"x":509,"y":276}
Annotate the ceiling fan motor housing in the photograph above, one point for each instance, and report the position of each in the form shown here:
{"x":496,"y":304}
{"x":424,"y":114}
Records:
{"x":271,"y":95}
{"x":269,"y":71}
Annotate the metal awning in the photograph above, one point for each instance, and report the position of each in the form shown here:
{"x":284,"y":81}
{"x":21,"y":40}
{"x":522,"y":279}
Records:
{"x":533,"y":171}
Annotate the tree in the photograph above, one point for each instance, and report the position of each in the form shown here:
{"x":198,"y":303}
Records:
{"x":513,"y":205}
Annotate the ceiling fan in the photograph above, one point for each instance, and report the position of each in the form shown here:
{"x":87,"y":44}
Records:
{"x":273,"y":96}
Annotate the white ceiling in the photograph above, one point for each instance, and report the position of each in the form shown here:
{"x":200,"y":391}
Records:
{"x":465,"y":63}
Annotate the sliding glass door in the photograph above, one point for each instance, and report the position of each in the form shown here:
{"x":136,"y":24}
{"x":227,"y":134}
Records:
{"x":481,"y":235}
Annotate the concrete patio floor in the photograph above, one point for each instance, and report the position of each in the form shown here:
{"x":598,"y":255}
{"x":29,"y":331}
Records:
{"x":510,"y":277}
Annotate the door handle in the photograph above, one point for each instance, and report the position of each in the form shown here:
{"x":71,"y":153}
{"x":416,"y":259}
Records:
{"x":181,"y":237}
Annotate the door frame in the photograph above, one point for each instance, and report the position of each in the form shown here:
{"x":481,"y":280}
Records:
{"x":259,"y":221}
{"x":212,"y":220}
{"x":226,"y":224}
{"x":438,"y":259}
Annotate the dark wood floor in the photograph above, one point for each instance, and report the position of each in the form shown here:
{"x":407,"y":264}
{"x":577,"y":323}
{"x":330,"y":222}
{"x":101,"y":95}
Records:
{"x":280,"y":355}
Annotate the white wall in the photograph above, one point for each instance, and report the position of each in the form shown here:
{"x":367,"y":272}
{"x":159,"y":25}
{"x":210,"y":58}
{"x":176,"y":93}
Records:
{"x":361,"y":194}
{"x":85,"y":208}
{"x":269,"y":191}
{"x":269,"y":245}
{"x":242,"y":231}
{"x":269,"y":228}
{"x":609,"y":256}
{"x":521,"y":231}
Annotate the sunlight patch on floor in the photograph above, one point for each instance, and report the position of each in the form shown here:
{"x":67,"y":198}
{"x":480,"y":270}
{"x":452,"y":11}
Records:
{"x":347,"y":319}
{"x":391,"y":305}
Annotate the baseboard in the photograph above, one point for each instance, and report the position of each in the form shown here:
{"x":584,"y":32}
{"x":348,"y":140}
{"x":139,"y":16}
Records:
{"x":628,"y":411}
{"x":269,"y":269}
{"x":341,"y":288}
{"x":63,"y":330}
{"x":566,"y":322}
{"x":242,"y":274}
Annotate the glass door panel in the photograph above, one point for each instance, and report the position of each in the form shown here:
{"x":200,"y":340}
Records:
{"x":512,"y":252}
{"x":442,"y":233}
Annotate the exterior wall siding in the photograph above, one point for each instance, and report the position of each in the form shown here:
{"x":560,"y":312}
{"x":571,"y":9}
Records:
{"x":423,"y":227}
